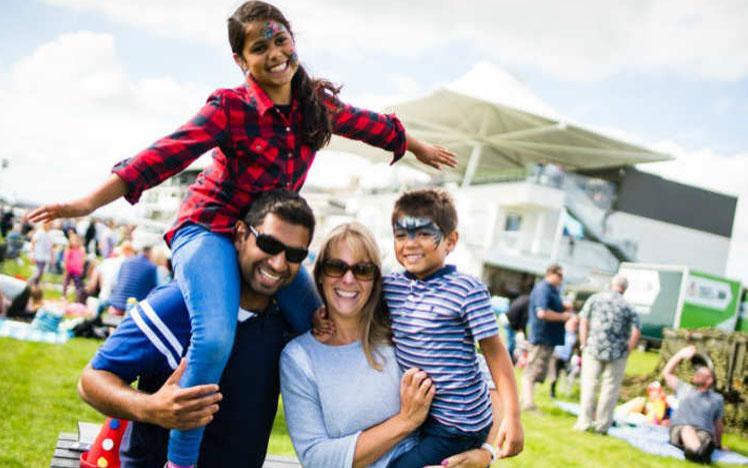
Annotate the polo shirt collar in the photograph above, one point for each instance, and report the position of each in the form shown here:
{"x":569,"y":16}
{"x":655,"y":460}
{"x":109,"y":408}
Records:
{"x":260,"y":98}
{"x":445,"y":270}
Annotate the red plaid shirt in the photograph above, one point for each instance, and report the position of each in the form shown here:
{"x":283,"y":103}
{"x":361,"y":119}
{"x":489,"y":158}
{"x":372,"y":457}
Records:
{"x":258,"y":149}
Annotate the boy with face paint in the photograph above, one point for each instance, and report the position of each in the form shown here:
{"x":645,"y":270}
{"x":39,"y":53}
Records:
{"x":437,"y":316}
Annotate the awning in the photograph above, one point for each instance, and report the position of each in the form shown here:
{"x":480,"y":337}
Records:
{"x":492,"y":139}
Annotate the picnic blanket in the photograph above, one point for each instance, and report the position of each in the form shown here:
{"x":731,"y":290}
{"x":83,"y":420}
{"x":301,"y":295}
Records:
{"x":24,"y":331}
{"x":654,"y":439}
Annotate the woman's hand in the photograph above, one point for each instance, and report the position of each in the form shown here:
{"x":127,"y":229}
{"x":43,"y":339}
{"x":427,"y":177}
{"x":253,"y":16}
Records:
{"x":322,"y":327}
{"x":416,"y":393}
{"x":54,"y":211}
{"x":511,"y":437}
{"x":476,"y":458}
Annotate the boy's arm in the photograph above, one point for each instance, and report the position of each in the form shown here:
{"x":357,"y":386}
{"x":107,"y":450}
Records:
{"x":510,"y":435}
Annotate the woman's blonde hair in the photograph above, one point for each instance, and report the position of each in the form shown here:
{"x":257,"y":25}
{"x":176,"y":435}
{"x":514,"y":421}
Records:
{"x":374,"y":317}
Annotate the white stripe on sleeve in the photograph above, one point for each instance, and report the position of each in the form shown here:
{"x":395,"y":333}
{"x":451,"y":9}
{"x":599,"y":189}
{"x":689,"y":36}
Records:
{"x":154,"y":339}
{"x":156,"y":320}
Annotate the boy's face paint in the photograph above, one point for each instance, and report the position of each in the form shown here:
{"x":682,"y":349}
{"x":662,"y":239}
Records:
{"x":417,"y":228}
{"x":421,"y":246}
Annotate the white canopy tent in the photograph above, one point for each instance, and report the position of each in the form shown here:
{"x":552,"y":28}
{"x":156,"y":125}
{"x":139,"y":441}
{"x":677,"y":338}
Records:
{"x":496,"y":125}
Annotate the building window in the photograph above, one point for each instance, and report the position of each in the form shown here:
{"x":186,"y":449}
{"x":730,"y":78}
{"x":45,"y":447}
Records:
{"x":513,"y":222}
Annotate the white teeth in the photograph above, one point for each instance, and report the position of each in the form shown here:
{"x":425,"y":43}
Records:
{"x":413,"y":258}
{"x":279,"y":67}
{"x":269,"y":275}
{"x":346,"y":294}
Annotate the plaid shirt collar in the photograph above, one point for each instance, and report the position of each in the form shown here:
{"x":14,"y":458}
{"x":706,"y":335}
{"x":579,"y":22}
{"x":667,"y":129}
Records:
{"x":260,"y":98}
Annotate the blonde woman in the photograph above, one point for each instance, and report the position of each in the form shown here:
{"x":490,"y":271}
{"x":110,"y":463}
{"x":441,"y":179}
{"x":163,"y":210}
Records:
{"x":346,"y":401}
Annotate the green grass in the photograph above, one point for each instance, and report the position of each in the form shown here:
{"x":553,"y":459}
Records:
{"x":38,"y":396}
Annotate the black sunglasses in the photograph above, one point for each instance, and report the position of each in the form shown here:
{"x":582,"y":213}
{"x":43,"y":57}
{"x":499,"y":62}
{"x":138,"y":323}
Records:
{"x":362,"y":271}
{"x":271,"y":245}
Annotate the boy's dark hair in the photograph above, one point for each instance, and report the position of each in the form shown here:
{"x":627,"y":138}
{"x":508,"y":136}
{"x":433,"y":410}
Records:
{"x":554,"y":269}
{"x":316,"y":125}
{"x":433,"y":203}
{"x":288,"y":206}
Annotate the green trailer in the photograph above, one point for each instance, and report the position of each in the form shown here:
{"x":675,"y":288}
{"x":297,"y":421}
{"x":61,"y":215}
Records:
{"x":674,"y":296}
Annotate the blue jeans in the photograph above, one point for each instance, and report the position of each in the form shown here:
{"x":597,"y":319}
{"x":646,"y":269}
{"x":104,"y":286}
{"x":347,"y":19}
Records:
{"x":207,"y":272}
{"x":437,"y":442}
{"x":511,"y":341}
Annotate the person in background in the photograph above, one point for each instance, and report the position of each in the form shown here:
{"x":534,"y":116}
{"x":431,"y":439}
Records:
{"x":697,"y":425}
{"x":19,"y":300}
{"x":517,"y":318}
{"x":608,"y":331}
{"x":6,"y":221}
{"x":546,"y":316}
{"x":15,"y":242}
{"x":41,"y":251}
{"x":136,"y":278}
{"x":74,"y":257}
{"x":562,"y":354}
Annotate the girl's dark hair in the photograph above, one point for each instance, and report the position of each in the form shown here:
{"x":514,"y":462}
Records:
{"x":316,"y":127}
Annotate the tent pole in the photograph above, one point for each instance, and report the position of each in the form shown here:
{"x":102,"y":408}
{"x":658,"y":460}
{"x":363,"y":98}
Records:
{"x":472,"y":165}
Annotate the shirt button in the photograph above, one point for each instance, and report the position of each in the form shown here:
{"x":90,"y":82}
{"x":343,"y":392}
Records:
{"x":258,"y":147}
{"x":290,"y":155}
{"x":411,"y":298}
{"x":288,"y":129}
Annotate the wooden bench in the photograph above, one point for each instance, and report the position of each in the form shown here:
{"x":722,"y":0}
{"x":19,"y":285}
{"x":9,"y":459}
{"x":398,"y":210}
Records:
{"x":68,"y":452}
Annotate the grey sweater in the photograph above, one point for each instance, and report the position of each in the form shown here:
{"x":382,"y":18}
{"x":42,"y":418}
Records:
{"x":331,"y":394}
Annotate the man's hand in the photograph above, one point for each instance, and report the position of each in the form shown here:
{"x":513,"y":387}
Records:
{"x":173,"y":407}
{"x":688,"y":352}
{"x":322,"y":327}
{"x":511,"y":437}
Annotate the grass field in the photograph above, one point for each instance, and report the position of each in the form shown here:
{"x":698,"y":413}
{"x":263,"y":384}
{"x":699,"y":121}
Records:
{"x":39,"y":400}
{"x":38,"y":396}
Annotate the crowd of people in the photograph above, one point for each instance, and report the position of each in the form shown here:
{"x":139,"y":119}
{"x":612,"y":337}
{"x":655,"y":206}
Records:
{"x":88,"y":260}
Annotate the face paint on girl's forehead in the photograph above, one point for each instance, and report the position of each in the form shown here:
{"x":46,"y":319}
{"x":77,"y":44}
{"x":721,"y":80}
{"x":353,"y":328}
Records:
{"x":271,"y":28}
{"x":411,"y":226}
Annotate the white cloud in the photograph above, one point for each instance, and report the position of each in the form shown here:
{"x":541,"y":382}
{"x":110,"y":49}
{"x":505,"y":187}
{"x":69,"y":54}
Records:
{"x":70,"y":112}
{"x":580,"y":40}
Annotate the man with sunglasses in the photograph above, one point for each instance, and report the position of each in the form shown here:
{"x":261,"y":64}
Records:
{"x":545,"y":323}
{"x":149,"y":345}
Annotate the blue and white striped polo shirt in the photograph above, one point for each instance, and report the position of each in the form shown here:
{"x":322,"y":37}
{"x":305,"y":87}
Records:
{"x":152,"y":338}
{"x":436,"y":322}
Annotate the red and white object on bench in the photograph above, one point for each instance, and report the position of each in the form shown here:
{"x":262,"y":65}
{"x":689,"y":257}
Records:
{"x":104,"y":452}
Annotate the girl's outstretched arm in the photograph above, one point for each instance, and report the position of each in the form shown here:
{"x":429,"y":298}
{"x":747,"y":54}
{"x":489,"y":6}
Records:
{"x":112,"y":189}
{"x":431,"y":155}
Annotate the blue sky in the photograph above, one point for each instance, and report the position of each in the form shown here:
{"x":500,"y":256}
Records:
{"x":671,"y":74}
